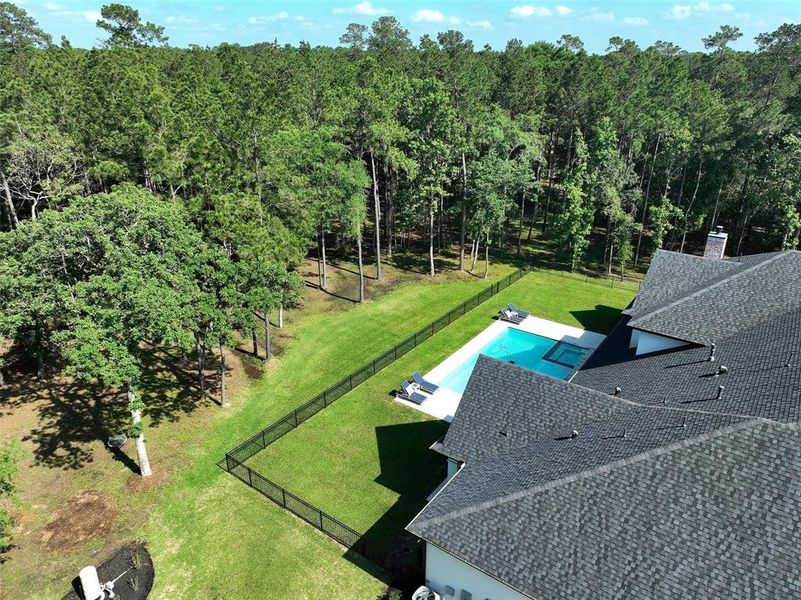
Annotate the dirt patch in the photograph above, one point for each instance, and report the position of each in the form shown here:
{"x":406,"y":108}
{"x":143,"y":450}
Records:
{"x":131,"y":567}
{"x":87,"y":516}
{"x":137,"y":483}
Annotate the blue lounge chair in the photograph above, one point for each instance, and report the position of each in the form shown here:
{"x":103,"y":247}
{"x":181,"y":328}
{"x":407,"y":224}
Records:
{"x":409,"y":393}
{"x":508,"y":315}
{"x":423,"y":383}
{"x":517,"y":311}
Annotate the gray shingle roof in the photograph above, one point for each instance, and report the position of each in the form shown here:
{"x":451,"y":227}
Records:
{"x":758,"y":382}
{"x":738,"y":299}
{"x":672,"y":275}
{"x":522,"y":404}
{"x":666,"y":491}
{"x":714,"y":516}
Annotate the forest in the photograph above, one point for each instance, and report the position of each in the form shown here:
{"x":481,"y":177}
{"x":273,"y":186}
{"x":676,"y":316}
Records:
{"x":153,"y":195}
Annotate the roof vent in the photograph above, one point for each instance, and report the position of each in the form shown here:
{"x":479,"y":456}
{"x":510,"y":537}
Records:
{"x":720,"y":392}
{"x":574,"y":434}
{"x":716,"y":243}
{"x":712,"y":353}
{"x":617,"y":391}
{"x":503,"y":433}
{"x":722,"y":370}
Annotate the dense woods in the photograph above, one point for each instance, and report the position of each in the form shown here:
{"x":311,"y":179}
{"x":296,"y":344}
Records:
{"x":159,"y":195}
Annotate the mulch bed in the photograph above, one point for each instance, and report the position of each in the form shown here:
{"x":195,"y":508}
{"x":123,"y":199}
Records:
{"x":87,"y":516}
{"x":133,"y":562}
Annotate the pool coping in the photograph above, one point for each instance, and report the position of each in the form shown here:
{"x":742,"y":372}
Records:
{"x":443,"y":403}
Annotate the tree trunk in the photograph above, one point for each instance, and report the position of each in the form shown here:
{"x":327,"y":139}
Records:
{"x":267,"y":341}
{"x":522,"y":215}
{"x":40,"y":357}
{"x":141,"y":450}
{"x":377,"y":210}
{"x":551,"y":144}
{"x":2,"y":378}
{"x":13,"y":221}
{"x":319,"y":262}
{"x":690,"y":205}
{"x":486,"y":258}
{"x":389,"y":218}
{"x":255,"y":343}
{"x":570,"y":150}
{"x":440,"y":224}
{"x":200,"y":352}
{"x":717,"y":202}
{"x":431,"y":235}
{"x":223,"y":400}
{"x":475,"y":256}
{"x":645,"y":202}
{"x":323,"y":267}
{"x":280,"y":316}
{"x":361,"y":265}
{"x":464,"y":213}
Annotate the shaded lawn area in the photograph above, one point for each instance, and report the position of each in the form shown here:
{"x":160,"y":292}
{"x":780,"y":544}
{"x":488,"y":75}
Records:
{"x":201,"y":525}
{"x":208,"y":525}
{"x":365,"y":459}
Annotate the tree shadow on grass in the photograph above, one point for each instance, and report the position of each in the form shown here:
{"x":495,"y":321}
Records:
{"x":337,"y":265}
{"x":413,"y":471}
{"x":329,"y":292}
{"x":601,"y":319}
{"x":418,"y":263}
{"x":72,"y":416}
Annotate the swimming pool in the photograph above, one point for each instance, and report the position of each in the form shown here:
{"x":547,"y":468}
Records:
{"x":527,"y":350}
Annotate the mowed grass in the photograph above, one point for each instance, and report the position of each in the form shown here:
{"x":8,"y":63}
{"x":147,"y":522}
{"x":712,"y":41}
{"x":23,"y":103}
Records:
{"x":211,"y":536}
{"x":365,"y":459}
{"x":199,"y":521}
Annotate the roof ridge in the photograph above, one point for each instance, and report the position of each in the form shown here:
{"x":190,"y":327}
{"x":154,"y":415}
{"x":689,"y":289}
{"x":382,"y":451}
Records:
{"x":605,"y":468}
{"x":554,"y":380}
{"x":737,"y":273}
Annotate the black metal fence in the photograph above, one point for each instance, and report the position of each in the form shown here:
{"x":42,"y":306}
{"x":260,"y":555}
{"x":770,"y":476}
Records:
{"x":348,"y":537}
{"x":288,"y":422}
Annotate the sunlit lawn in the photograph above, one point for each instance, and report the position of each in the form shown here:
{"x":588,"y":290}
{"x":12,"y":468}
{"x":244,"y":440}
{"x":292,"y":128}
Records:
{"x":210,"y":535}
{"x":365,"y":459}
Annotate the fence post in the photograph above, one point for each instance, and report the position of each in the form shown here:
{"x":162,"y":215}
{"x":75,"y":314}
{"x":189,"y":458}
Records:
{"x":350,"y":380}
{"x":295,"y":412}
{"x":283,"y":497}
{"x":263,"y":439}
{"x":325,"y":398}
{"x":250,"y":479}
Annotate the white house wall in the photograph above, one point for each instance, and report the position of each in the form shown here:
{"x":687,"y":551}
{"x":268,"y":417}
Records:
{"x":649,"y":342}
{"x":443,"y":569}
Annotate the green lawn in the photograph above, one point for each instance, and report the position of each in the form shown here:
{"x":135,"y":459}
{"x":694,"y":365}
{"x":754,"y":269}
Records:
{"x":365,"y":459}
{"x":213,"y":537}
{"x":208,"y":525}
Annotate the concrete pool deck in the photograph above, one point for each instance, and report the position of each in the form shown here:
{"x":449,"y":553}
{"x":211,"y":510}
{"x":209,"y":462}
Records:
{"x":444,"y":402}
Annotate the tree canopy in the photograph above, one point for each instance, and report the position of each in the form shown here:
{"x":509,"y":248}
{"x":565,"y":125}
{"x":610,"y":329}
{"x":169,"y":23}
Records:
{"x":158,"y":195}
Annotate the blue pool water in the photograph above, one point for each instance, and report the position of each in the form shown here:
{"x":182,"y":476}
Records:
{"x":526,"y":350}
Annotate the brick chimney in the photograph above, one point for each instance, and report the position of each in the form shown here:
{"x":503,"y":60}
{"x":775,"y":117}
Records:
{"x":716,"y":243}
